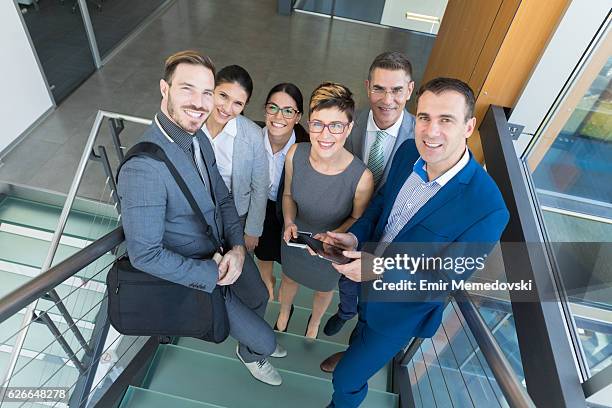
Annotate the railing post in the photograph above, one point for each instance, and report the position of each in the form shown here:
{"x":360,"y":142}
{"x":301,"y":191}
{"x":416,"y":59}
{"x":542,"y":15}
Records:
{"x":59,"y":337}
{"x":82,"y":389}
{"x":410,"y":351}
{"x":102,"y":157}
{"x":116,"y":127}
{"x":54,"y":297}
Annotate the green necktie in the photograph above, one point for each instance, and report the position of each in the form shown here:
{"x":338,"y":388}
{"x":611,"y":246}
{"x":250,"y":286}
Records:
{"x":376,"y":157}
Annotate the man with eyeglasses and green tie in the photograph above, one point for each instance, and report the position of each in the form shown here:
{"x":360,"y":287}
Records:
{"x":377,"y":134}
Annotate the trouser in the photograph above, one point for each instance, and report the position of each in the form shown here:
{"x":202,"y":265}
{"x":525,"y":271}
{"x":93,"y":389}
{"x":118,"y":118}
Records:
{"x":368,"y":352}
{"x":246,"y":302}
{"x":349,"y":296}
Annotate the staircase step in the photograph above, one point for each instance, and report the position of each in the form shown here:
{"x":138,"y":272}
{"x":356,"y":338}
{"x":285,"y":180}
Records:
{"x":299,"y":320}
{"x":136,"y":397}
{"x":32,"y":252}
{"x":215,"y":379}
{"x":44,"y":217}
{"x":304,"y":355}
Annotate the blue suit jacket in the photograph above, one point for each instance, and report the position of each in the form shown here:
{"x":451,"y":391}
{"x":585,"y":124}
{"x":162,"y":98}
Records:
{"x":469,"y":208}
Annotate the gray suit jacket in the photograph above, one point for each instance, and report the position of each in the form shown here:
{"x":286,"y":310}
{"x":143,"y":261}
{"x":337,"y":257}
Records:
{"x":250,"y":175}
{"x":357,"y":139}
{"x":163,"y":235}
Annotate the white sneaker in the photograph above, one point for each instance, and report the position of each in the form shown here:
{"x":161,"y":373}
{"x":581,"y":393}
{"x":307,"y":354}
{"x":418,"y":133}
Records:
{"x":279,"y":351}
{"x":262,"y":370}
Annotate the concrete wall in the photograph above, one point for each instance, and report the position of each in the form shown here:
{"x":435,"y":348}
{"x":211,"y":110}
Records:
{"x":24,"y":96}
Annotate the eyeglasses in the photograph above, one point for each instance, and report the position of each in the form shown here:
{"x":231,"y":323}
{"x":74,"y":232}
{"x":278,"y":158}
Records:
{"x":382,"y":92}
{"x":288,"y":112}
{"x":335,"y":127}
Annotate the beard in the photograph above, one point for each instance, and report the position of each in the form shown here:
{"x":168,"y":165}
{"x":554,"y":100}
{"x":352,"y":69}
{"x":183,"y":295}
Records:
{"x":188,"y":124}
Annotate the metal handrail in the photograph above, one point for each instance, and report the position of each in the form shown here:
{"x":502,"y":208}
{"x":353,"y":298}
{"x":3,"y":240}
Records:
{"x":41,"y":284}
{"x":59,"y":230}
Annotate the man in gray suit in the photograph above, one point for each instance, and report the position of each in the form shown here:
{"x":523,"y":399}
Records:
{"x":377,"y":134}
{"x":165,"y":238}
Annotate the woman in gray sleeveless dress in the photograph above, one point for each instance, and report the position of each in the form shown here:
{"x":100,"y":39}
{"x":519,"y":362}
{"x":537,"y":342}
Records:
{"x":327,"y":189}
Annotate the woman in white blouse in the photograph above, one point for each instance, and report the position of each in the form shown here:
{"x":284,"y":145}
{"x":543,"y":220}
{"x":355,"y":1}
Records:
{"x":283,"y":108}
{"x":239,"y":150}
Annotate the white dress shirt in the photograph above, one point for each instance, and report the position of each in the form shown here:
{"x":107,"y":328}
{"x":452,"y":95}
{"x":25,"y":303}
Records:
{"x":276,"y":163}
{"x":388,"y":141}
{"x":223,"y":145}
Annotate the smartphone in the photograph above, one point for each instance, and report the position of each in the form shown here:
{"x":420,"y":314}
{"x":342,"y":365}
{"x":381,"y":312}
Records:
{"x":327,"y":251}
{"x":300,"y":242}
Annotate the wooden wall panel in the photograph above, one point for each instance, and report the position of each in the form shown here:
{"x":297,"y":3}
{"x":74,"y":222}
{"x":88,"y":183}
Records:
{"x":493,"y":46}
{"x":532,"y":27}
{"x":470,"y":35}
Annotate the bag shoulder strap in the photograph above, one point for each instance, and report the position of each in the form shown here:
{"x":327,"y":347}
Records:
{"x":155,"y":152}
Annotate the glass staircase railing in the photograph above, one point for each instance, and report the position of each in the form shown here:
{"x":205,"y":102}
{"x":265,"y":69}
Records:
{"x":449,"y":370}
{"x":36,"y":232}
{"x":23,"y":247}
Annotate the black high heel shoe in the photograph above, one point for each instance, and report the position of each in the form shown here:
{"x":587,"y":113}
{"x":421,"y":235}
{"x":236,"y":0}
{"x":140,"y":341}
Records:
{"x":308,"y":324}
{"x":288,"y":320}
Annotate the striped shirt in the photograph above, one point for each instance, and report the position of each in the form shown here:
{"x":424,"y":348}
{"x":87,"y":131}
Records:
{"x":414,"y":194}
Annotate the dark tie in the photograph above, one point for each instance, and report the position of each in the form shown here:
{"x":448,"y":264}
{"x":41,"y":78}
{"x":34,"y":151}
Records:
{"x":199,"y":161}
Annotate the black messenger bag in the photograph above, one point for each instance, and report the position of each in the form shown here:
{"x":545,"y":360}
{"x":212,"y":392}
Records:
{"x":140,"y":304}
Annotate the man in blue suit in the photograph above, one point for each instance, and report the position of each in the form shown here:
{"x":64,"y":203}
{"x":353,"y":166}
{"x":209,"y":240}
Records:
{"x":166,"y":239}
{"x":435,"y":193}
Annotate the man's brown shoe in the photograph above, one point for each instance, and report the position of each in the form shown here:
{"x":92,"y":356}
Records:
{"x":329,"y":364}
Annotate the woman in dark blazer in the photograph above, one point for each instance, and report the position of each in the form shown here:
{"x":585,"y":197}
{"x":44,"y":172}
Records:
{"x":283,"y":108}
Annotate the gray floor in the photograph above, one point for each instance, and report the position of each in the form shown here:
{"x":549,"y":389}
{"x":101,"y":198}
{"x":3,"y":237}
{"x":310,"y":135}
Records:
{"x":304,"y":49}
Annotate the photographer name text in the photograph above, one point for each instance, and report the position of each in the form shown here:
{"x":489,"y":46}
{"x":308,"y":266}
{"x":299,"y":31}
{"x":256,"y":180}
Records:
{"x":426,"y":285}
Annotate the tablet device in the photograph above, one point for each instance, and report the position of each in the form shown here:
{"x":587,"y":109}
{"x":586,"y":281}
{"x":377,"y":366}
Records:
{"x":299,"y":242}
{"x":327,"y":251}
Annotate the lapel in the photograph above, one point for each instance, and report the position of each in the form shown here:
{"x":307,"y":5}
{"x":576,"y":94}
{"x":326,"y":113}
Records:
{"x":185,"y":167}
{"x":406,"y":132}
{"x":452,"y":189}
{"x":360,"y":130}
{"x":240,"y":151}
